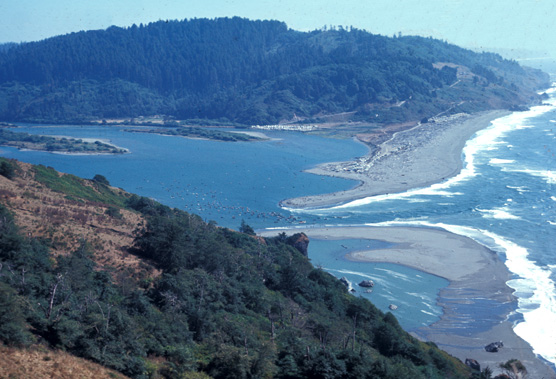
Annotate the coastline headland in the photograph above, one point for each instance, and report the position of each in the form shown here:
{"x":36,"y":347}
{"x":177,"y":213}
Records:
{"x":477,"y":277}
{"x":414,"y":158}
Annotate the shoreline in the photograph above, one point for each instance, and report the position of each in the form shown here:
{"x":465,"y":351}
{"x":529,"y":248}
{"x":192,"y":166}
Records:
{"x":419,"y":157}
{"x":476,"y":276}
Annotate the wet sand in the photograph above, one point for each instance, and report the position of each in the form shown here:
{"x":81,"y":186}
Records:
{"x":477,"y":276}
{"x":414,"y":158}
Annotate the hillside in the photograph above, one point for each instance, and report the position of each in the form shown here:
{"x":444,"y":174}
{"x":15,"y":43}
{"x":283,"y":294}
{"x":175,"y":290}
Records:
{"x":242,"y":72}
{"x":40,"y":362}
{"x":151,"y":291}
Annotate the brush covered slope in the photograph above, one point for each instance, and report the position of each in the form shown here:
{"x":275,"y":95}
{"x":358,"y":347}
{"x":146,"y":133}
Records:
{"x":242,"y":72}
{"x":152,"y":291}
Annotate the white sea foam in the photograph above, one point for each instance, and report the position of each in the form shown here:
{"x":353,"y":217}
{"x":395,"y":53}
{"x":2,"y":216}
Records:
{"x":498,"y":213}
{"x":551,"y":89}
{"x":525,"y":126}
{"x":497,"y":161}
{"x":521,"y":189}
{"x":539,"y":310}
{"x":417,"y":200}
{"x":395,"y":274}
{"x":365,"y":275}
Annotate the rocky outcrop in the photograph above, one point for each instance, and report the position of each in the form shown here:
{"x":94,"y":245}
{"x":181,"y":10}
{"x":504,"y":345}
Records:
{"x":473,"y":364}
{"x":300,"y":241}
{"x":344,"y":281}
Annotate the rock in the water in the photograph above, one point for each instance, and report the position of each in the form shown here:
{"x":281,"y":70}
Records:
{"x":366,"y":283}
{"x":393,"y":307}
{"x":494,"y":347}
{"x":473,"y":364}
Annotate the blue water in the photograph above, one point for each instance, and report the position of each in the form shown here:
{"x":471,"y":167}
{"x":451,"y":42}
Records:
{"x":412,"y":291}
{"x":223,"y":182}
{"x":504,"y":198}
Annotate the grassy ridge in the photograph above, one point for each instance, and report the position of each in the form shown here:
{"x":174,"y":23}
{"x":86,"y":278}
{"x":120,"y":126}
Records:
{"x":79,"y":189}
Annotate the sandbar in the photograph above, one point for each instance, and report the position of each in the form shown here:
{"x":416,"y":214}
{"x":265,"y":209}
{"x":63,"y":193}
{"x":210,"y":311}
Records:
{"x":476,"y":275}
{"x":414,"y":158}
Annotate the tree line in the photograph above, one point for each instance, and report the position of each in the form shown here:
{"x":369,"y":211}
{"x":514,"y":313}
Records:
{"x":232,"y":70}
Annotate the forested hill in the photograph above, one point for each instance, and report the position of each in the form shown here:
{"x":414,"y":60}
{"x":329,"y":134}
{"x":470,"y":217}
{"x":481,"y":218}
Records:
{"x":251,"y":72}
{"x":179,"y":297}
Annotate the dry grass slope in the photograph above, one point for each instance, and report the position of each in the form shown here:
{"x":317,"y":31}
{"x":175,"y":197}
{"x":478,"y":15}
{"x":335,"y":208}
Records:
{"x":65,"y":221}
{"x":40,"y":362}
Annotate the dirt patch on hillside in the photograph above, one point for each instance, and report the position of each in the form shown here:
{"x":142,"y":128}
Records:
{"x":43,"y":213}
{"x":40,"y":362}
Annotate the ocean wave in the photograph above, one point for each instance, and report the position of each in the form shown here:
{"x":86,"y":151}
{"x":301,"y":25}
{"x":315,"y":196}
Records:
{"x":521,"y":189}
{"x":551,"y":89}
{"x":423,"y":296}
{"x":497,"y":161}
{"x":548,"y":176}
{"x":394,"y":274}
{"x":499,"y":213}
{"x":357,"y":273}
{"x":417,"y":200}
{"x":539,"y":309}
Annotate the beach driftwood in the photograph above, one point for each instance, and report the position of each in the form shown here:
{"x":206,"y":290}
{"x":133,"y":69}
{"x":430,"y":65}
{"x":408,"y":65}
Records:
{"x":494,"y":347}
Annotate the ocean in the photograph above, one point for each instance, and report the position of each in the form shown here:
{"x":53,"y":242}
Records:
{"x":504,"y":198}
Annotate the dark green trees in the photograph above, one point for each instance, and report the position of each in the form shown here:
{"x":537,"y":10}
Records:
{"x":241,"y":71}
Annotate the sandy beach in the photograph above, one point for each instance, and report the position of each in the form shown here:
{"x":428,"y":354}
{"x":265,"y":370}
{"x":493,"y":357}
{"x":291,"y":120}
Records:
{"x":414,"y":158}
{"x":475,"y":273}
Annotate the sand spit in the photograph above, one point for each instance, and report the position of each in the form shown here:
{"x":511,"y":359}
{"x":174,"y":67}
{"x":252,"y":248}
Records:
{"x":414,"y":158}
